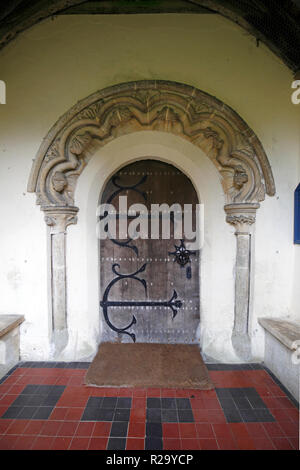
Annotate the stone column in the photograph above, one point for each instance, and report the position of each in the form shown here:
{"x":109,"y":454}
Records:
{"x":242,"y":217}
{"x":58,"y":219}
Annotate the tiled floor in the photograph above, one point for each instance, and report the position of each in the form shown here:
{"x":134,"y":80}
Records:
{"x":46,"y":406}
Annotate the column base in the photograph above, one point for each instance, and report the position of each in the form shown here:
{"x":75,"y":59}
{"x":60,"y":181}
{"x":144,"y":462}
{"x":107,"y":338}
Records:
{"x":242,"y":345}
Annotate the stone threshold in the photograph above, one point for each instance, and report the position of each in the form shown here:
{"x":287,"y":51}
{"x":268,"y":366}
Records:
{"x":287,"y":332}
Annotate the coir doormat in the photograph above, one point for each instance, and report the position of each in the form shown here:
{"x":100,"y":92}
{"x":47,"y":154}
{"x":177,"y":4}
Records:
{"x":148,"y":365}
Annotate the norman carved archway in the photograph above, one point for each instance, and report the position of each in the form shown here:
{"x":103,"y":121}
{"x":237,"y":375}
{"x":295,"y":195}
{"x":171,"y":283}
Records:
{"x":203,"y":120}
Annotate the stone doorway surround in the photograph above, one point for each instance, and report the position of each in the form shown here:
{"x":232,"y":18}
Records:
{"x":155,"y":105}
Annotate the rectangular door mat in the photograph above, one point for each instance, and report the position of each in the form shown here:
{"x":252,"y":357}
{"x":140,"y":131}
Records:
{"x":148,"y":365}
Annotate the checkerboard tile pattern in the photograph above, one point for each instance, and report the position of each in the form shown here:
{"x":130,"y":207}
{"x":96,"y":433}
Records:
{"x":46,"y":406}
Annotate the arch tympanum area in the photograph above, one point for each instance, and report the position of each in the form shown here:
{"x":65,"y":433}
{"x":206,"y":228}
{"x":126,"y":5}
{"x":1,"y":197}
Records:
{"x":164,"y":106}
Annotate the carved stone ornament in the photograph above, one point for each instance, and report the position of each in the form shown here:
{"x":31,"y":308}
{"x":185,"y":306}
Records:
{"x":151,"y":105}
{"x":241,"y":216}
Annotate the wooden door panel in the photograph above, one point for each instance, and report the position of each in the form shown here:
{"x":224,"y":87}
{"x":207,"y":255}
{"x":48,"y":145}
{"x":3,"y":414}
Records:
{"x":159,"y":183}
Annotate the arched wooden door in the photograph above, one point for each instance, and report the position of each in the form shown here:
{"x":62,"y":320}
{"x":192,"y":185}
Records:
{"x":149,"y":287}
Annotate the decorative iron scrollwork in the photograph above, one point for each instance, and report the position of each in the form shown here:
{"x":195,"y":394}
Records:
{"x":182,"y":254}
{"x":173,"y":303}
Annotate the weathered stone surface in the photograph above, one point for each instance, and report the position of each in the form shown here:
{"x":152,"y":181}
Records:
{"x":287,"y":332}
{"x":9,"y":322}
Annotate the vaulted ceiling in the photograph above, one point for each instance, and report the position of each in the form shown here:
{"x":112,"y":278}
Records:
{"x":276,"y":23}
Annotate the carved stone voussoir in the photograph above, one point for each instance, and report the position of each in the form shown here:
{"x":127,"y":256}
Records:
{"x":158,"y":106}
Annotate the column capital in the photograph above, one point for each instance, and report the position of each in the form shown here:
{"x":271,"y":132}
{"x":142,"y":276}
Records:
{"x":59,"y":218}
{"x":241,"y":216}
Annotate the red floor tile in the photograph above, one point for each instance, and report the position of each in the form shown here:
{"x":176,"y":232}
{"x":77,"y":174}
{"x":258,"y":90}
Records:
{"x":17,"y":426}
{"x":135,"y":444}
{"x":244,"y":443}
{"x":7,"y":442}
{"x":263,"y":443}
{"x":204,"y":430}
{"x":208,"y":444}
{"x":171,"y":430}
{"x":80,"y":443}
{"x":84,"y":429}
{"x":171,"y":444}
{"x":50,"y":428}
{"x":136,"y":429}
{"x":256,"y":430}
{"x":67,"y":429}
{"x":222,"y":430}
{"x":101,"y":429}
{"x":187,"y":430}
{"x":274,"y":430}
{"x":23,"y":443}
{"x":282,"y":443}
{"x":42,"y":443}
{"x":34,"y":427}
{"x":98,"y":443}
{"x":226,"y":443}
{"x":190,"y":444}
{"x":61,"y":443}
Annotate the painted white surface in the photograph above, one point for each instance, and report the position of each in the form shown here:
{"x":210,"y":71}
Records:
{"x":50,"y":67}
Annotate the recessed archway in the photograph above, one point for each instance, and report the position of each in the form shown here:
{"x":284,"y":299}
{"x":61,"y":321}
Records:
{"x":163,"y":106}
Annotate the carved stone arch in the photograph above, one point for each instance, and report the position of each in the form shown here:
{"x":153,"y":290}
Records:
{"x":154,"y":105}
{"x":151,"y":105}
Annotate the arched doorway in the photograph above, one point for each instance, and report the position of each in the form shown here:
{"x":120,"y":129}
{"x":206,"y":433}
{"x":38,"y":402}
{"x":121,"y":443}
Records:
{"x":149,"y":285}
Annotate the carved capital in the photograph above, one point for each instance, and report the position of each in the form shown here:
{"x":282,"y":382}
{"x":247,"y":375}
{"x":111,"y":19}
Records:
{"x":59,"y":218}
{"x":241,"y":216}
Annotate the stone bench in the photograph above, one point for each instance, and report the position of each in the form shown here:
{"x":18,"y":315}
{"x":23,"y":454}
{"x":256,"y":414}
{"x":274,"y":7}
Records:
{"x":282,"y":351}
{"x":9,"y":342}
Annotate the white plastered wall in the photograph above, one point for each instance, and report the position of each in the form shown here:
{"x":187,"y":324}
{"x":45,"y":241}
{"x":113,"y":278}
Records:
{"x":51,"y":66}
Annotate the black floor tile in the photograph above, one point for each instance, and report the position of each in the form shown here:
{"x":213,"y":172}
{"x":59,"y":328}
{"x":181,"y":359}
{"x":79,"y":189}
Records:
{"x":242,"y":403}
{"x":123,"y":402}
{"x":228,"y":403}
{"x":264,"y":415}
{"x":12,"y":412}
{"x":168,"y":403}
{"x":105,"y":414}
{"x":122,"y":414}
{"x":43,"y":412}
{"x":27,"y":412}
{"x":223,"y":393}
{"x":249,"y":416}
{"x":185,"y":416}
{"x":169,"y":416}
{"x":119,"y":429}
{"x":183,"y":404}
{"x":116,"y":443}
{"x":94,"y":402}
{"x":90,"y":414}
{"x":153,"y":402}
{"x":153,"y":415}
{"x":109,"y":402}
{"x":232,"y":416}
{"x":154,"y":430}
{"x":153,"y":443}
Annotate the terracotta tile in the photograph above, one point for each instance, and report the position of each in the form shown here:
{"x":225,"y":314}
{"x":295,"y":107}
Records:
{"x":182,"y":393}
{"x":79,"y":443}
{"x":67,"y":429}
{"x":74,"y":414}
{"x":290,"y":428}
{"x":153,"y":392}
{"x":139,"y":392}
{"x":61,"y":443}
{"x":294,"y":441}
{"x":84,"y":429}
{"x":138,"y":402}
{"x":222,"y":430}
{"x":34,"y":427}
{"x":187,"y":430}
{"x":211,"y":404}
{"x":42,"y":443}
{"x":171,"y":444}
{"x":58,"y":414}
{"x":136,"y":429}
{"x":204,"y":430}
{"x":197,"y":404}
{"x":256,"y":430}
{"x":4,"y":425}
{"x":274,"y":430}
{"x":244,"y":443}
{"x":262,"y":443}
{"x":168,"y":392}
{"x":101,"y":429}
{"x":226,"y":443}
{"x":138,"y":415}
{"x":216,"y":416}
{"x":7,"y":442}
{"x":135,"y":444}
{"x":239,"y":430}
{"x":98,"y":443}
{"x":293,"y":414}
{"x":50,"y":428}
{"x":201,"y":416}
{"x":124,"y":392}
{"x":17,"y":426}
{"x":208,"y":444}
{"x":281,"y":443}
{"x":170,"y":430}
{"x":190,"y":444}
{"x":23,"y":443}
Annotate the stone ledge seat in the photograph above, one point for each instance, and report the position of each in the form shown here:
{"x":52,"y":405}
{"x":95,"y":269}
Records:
{"x":282,"y":348}
{"x":9,"y":341}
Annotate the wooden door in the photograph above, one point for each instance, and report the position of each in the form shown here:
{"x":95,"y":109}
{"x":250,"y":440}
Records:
{"x":146,"y":296}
